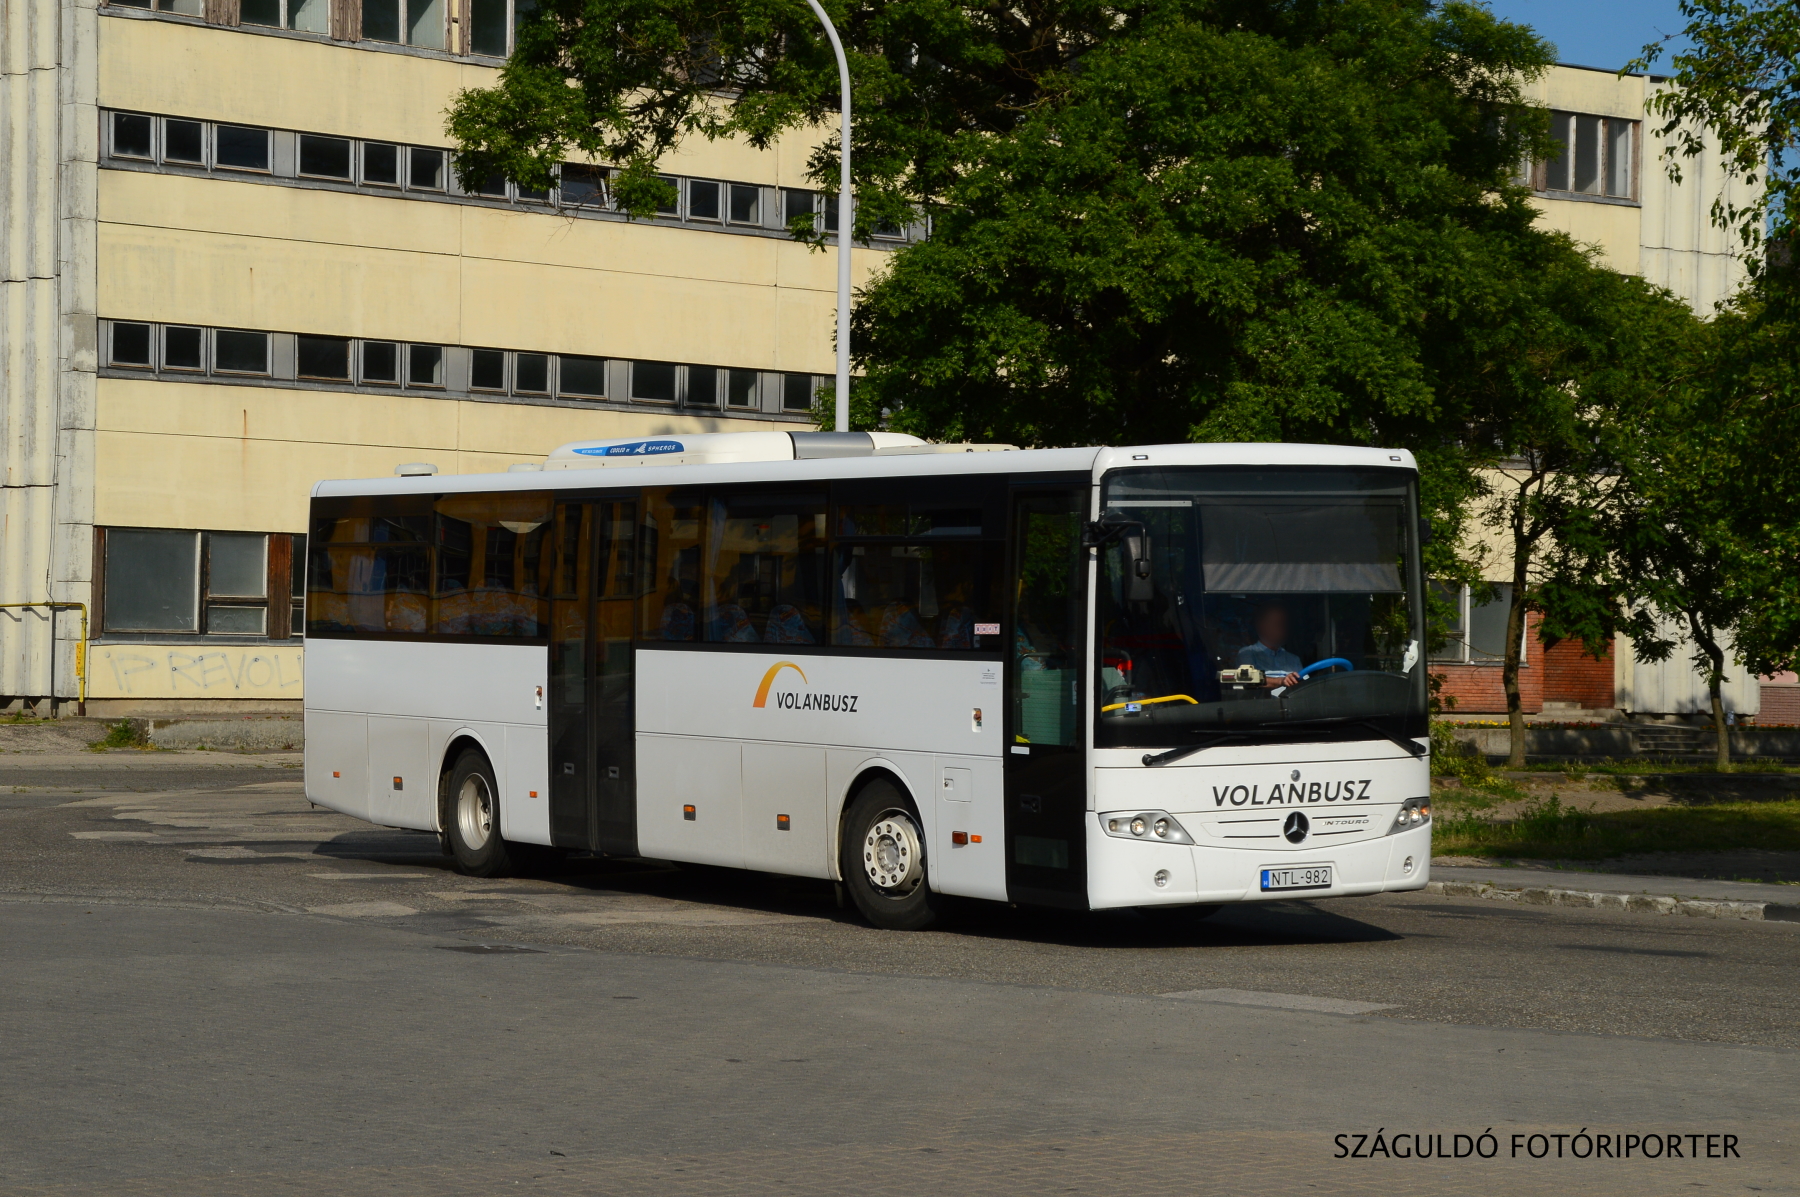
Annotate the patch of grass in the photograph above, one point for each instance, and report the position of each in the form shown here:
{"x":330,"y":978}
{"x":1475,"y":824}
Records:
{"x":1546,"y":829}
{"x":1480,"y":786}
{"x":123,"y":734}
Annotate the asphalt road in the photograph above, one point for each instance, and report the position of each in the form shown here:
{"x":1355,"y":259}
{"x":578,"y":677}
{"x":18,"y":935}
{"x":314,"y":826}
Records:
{"x":211,"y":987}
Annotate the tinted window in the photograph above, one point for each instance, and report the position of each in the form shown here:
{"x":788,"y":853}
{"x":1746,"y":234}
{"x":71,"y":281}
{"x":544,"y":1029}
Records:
{"x":323,"y":357}
{"x":130,"y":344}
{"x":131,"y":135}
{"x":325,"y":156}
{"x":184,"y":141}
{"x":462,"y":565}
{"x":763,"y":575}
{"x":583,"y":376}
{"x":242,"y":149}
{"x":381,"y":164}
{"x":241,"y":352}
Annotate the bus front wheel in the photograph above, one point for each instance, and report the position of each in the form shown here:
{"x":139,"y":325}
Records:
{"x":882,"y":859}
{"x":474,"y":818}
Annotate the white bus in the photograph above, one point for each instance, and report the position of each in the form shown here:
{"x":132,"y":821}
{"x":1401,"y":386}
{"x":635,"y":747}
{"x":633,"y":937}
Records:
{"x":1162,"y":676}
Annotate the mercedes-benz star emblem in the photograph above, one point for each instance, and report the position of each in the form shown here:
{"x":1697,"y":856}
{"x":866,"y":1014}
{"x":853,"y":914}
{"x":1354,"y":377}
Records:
{"x":1294,"y":776}
{"x":1296,"y":827}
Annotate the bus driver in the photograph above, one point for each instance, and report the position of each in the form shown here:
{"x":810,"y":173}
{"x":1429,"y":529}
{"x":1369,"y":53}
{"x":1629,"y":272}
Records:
{"x":1280,"y":667}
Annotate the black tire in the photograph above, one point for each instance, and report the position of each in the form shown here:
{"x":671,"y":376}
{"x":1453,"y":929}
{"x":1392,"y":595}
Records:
{"x":472,"y":818}
{"x":883,"y":860}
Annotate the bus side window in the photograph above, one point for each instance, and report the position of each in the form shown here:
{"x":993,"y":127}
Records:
{"x":765,"y":569}
{"x":671,"y":565}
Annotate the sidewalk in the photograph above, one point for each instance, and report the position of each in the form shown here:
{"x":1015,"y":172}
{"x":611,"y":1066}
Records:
{"x":1692,"y":896}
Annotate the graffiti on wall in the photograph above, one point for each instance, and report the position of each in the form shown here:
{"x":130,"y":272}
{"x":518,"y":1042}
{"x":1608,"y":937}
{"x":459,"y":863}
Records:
{"x":156,"y":671}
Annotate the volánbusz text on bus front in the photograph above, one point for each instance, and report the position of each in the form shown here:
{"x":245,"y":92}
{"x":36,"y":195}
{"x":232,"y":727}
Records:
{"x":1174,"y":675}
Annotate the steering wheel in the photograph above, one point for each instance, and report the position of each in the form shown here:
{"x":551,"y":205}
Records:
{"x":1327,"y":663}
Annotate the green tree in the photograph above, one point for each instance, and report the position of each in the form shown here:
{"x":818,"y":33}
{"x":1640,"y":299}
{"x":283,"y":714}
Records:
{"x":1603,"y":351}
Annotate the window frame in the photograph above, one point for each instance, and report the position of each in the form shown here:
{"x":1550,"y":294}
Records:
{"x":277,"y":601}
{"x":1459,"y":638}
{"x":1561,"y":120}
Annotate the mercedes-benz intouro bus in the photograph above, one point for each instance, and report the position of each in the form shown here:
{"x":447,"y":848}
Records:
{"x":1159,"y":676}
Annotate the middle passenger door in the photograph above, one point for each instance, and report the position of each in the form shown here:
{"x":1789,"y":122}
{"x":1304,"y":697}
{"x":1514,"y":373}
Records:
{"x":593,"y":787}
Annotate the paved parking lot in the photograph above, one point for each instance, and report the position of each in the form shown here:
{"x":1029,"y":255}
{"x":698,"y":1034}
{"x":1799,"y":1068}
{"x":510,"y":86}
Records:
{"x":212,"y":987}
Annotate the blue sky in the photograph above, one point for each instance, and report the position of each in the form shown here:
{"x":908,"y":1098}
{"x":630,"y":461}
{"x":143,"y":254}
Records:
{"x":1596,"y":33}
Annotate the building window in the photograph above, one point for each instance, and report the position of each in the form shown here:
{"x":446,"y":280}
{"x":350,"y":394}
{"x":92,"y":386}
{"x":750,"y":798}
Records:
{"x":1476,"y":633}
{"x":424,"y":365}
{"x":531,"y":373}
{"x":308,"y":16}
{"x":183,"y":348}
{"x":184,"y":141}
{"x":746,"y":204}
{"x":407,"y":22}
{"x":237,"y":352}
{"x":582,"y":376}
{"x":1598,"y":157}
{"x":323,"y":357}
{"x":796,"y":392}
{"x":324,"y":157}
{"x":131,"y":346}
{"x":582,"y":186}
{"x":671,"y":207}
{"x":487,"y":370}
{"x":741,"y":389}
{"x":702,"y":386}
{"x":132,"y":135}
{"x":703,"y":200}
{"x":381,"y":363}
{"x":653,"y":382}
{"x":160,"y":580}
{"x":380,"y":164}
{"x":238,"y":148}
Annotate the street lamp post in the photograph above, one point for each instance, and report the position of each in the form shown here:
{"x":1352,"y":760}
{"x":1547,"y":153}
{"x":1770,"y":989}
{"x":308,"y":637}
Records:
{"x":845,"y":201}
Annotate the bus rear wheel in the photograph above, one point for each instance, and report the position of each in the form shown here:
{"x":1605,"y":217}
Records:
{"x":882,"y":859}
{"x":473,"y":821}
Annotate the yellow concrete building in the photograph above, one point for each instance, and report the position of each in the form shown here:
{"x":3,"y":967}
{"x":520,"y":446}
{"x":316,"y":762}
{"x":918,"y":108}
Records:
{"x":237,"y":261}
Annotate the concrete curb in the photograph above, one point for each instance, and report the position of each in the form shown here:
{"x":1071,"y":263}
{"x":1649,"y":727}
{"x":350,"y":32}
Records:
{"x":1701,"y":908}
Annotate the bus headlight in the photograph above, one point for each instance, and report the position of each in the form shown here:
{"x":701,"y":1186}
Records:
{"x":1154,"y":825}
{"x":1414,"y":812}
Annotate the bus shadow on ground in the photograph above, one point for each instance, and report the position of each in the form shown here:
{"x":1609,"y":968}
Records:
{"x":1248,"y":924}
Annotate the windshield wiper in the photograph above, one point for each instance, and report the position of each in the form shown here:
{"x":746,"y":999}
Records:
{"x":1370,"y":724}
{"x":1153,"y":759}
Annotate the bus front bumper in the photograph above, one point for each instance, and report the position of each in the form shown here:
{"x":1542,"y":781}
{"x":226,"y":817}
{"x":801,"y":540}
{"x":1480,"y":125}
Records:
{"x":1137,"y":873}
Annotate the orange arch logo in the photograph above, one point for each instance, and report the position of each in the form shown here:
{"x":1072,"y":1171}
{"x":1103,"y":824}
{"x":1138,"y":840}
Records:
{"x":762,"y":691}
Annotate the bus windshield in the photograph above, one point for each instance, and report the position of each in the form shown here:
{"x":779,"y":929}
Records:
{"x":1258,"y":602}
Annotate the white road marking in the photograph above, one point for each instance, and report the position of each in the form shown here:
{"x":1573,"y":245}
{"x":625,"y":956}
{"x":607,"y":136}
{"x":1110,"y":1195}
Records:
{"x":1279,"y":1001}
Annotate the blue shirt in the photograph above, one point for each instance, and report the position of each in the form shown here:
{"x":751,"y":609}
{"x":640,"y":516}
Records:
{"x":1276,"y":662}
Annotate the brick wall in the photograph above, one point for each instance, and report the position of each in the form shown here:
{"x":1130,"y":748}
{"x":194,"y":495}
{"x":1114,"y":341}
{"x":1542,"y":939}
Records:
{"x":1571,"y":675}
{"x":1478,"y":690}
{"x":1780,"y":702}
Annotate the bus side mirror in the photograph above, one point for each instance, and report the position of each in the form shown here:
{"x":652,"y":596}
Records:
{"x":1112,"y":524}
{"x":1138,"y":587}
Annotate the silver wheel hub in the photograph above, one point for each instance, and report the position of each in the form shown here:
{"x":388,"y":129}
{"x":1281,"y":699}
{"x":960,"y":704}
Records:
{"x":475,"y":811}
{"x":892,"y":858}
